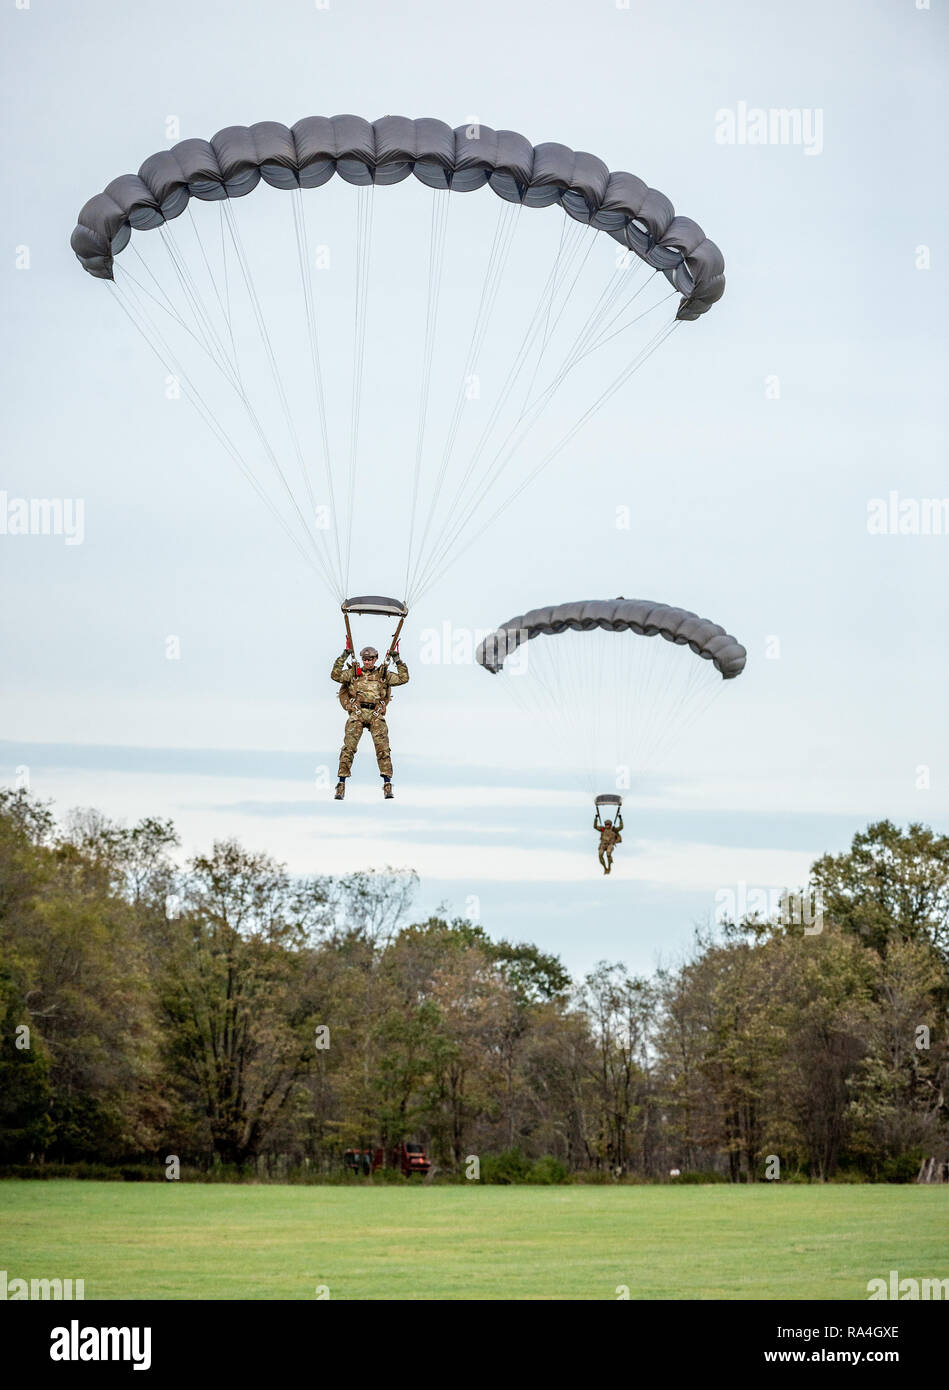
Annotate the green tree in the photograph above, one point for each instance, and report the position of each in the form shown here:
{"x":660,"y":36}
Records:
{"x":892,"y":885}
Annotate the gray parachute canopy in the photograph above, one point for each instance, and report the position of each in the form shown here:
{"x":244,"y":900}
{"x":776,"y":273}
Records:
{"x":642,"y":616}
{"x":386,"y":151}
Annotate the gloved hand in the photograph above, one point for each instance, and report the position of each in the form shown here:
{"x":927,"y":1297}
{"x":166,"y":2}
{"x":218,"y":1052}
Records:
{"x":345,"y":654}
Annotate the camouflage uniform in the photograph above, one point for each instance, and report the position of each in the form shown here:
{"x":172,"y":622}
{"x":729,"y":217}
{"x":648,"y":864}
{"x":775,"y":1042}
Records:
{"x":369,"y":694}
{"x":609,"y":837}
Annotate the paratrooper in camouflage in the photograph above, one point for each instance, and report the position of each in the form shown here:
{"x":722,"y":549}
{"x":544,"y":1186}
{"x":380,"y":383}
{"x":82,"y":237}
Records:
{"x":609,"y":837}
{"x":366,"y":691}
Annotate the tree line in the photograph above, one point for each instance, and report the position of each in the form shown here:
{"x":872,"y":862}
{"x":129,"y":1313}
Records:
{"x":239,"y":1017}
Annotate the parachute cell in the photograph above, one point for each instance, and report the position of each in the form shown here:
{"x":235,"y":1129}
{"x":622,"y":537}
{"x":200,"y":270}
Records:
{"x":641,"y":616}
{"x":386,"y":151}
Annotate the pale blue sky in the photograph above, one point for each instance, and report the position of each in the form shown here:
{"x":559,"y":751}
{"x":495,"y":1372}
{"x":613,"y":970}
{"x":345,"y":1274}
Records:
{"x":751,"y":510}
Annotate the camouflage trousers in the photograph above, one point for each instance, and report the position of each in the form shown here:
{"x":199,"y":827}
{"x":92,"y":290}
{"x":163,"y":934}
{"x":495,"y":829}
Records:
{"x":376,"y":724}
{"x":606,"y":852}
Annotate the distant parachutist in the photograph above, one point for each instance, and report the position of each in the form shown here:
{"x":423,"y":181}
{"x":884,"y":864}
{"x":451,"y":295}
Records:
{"x":609,"y":830}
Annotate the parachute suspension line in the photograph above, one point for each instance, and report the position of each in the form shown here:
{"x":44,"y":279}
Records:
{"x":227,"y":298}
{"x":433,"y":575}
{"x":364,"y":206}
{"x":701,"y":693}
{"x":205,"y":410}
{"x":441,"y":201}
{"x":225,"y":313}
{"x":306,"y":278}
{"x":533,"y":690}
{"x":653,"y":680}
{"x":210,"y":338}
{"x":490,"y":287}
{"x":656,"y":341}
{"x":561,"y":686}
{"x":577,"y":350}
{"x":545,"y":336}
{"x":574,"y":692}
{"x":611,"y":291}
{"x":231,"y":375}
{"x":617,"y":702}
{"x":513,"y":440}
{"x":167,"y":306}
{"x":278,"y":384}
{"x":532,"y":413}
{"x":529,"y":416}
{"x":641,"y":357}
{"x":538,"y":317}
{"x":129,"y":307}
{"x":602,"y":341}
{"x":650,"y":678}
{"x":582,"y":346}
{"x":487,"y":481}
{"x":667,"y":702}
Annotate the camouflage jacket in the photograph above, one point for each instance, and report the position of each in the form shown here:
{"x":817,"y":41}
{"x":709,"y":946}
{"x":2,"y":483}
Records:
{"x":609,"y":834}
{"x":369,"y":687}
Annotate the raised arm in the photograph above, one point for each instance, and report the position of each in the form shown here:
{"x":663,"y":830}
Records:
{"x":400,"y":676}
{"x":341,"y":672}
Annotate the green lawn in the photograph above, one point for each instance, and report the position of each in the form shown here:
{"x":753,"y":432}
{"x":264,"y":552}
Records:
{"x":178,"y":1241}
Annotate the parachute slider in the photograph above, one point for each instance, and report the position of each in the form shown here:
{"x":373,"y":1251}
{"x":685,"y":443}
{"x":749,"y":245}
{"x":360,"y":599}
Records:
{"x":373,"y":603}
{"x":608,"y":799}
{"x":381,"y":607}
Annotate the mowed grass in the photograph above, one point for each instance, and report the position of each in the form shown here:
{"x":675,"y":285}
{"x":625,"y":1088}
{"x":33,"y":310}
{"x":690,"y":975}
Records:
{"x":179,"y":1241}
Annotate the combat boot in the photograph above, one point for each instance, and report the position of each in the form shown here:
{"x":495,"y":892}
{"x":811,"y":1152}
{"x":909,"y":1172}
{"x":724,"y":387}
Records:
{"x":387,"y":790}
{"x":340,"y":789}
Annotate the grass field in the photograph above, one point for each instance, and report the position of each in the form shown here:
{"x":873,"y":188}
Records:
{"x":194,"y":1242}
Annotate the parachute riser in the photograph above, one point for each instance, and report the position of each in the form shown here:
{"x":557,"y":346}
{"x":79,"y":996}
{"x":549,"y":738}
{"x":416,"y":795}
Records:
{"x":393,"y":645}
{"x":375,"y":604}
{"x":608,"y":799}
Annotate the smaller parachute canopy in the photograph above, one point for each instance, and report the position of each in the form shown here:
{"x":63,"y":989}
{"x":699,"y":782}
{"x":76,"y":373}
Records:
{"x":641,"y":616}
{"x":374,"y":603}
{"x":609,"y":799}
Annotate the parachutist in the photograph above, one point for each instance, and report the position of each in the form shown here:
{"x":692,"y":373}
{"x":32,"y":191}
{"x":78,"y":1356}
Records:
{"x":366,"y":692}
{"x":609,"y":837}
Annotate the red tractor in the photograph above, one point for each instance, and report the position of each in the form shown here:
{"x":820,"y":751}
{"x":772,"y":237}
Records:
{"x":410,"y":1158}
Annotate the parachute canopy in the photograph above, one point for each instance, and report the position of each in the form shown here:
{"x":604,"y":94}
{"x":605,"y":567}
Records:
{"x":400,"y":366}
{"x":386,"y":151}
{"x":603,"y":701}
{"x":375,"y":603}
{"x":641,"y":616}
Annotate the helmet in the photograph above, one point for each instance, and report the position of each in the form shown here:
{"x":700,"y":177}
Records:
{"x":367,"y":652}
